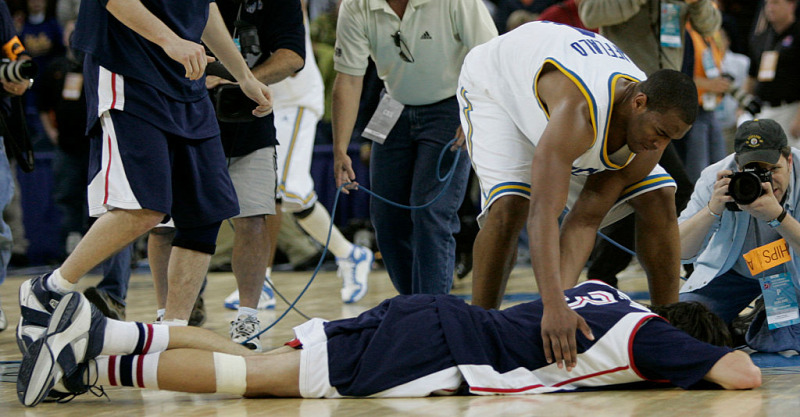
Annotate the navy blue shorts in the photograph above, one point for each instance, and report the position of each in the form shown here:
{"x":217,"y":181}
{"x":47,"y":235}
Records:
{"x":135,"y":165}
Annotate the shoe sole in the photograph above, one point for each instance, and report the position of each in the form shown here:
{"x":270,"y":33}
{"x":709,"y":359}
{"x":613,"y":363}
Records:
{"x":70,"y":319}
{"x":358,"y":295}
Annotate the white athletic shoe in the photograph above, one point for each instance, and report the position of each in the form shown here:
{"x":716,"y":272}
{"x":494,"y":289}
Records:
{"x":265,"y":302}
{"x":76,"y":328}
{"x":354,"y":272}
{"x":245,"y":327}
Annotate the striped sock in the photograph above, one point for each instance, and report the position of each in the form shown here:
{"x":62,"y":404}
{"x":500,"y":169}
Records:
{"x":124,"y":338}
{"x":140,"y":371}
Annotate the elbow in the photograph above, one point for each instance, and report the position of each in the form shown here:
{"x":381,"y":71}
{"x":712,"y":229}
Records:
{"x":749,"y":379}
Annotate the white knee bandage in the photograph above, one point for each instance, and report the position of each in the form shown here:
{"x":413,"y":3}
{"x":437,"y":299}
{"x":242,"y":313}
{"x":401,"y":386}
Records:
{"x":231,"y":373}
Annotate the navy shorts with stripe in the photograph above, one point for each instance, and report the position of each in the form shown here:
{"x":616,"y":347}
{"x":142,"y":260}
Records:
{"x":185,"y":178}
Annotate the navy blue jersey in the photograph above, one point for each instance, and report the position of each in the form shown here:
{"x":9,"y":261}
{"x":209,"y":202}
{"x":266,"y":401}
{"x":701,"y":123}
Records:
{"x":500,"y":352}
{"x":124,"y":71}
{"x":123,"y":51}
{"x":279,"y":25}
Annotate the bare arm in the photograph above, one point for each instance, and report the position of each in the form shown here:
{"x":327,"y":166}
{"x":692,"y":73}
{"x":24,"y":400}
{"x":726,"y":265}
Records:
{"x":346,"y":95}
{"x":216,"y":37}
{"x":735,"y":370}
{"x":693,"y":231}
{"x":568,"y":134}
{"x":134,"y":15}
{"x":281,"y":64}
{"x":601,"y":191}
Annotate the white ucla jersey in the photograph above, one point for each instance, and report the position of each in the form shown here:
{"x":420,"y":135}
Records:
{"x":507,"y":67}
{"x":304,"y":89}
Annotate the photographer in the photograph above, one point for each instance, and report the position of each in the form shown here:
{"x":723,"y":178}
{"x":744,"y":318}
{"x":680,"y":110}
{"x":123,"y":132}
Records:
{"x":743,"y":238}
{"x":11,"y":50}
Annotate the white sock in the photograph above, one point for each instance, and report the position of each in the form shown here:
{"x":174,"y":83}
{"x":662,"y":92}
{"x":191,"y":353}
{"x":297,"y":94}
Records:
{"x":55,"y":282}
{"x":129,"y":370}
{"x":269,"y":272}
{"x":316,"y":224}
{"x":175,"y":322}
{"x":127,"y":337}
{"x":246,"y":311}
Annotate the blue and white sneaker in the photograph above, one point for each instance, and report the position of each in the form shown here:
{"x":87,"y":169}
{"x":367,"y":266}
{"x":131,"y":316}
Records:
{"x":354,"y":272}
{"x":265,"y":302}
{"x":74,"y":336}
{"x":36,"y":304}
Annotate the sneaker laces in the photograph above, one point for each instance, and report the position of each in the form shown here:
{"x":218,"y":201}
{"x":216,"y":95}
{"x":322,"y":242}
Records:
{"x":245,"y":326}
{"x":90,"y":385}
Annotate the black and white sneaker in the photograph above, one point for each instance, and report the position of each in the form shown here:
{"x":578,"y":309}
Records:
{"x":74,"y":336}
{"x":244,"y":328}
{"x":36,"y":304}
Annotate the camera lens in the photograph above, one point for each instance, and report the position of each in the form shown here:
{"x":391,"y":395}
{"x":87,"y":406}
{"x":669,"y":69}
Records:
{"x":745,"y":187}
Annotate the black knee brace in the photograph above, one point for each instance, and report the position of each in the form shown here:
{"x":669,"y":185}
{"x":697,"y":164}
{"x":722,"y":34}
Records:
{"x":302,"y":214}
{"x":200,"y":239}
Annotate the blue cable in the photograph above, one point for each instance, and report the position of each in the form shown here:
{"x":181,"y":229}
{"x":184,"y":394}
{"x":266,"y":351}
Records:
{"x":446,"y":179}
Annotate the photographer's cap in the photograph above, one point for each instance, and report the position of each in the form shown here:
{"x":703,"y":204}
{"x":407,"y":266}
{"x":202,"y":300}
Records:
{"x":759,"y":140}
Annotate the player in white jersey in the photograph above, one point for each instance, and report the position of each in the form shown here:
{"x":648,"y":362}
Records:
{"x":556,"y":116}
{"x":300,"y":106}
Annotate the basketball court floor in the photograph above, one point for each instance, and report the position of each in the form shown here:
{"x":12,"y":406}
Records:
{"x":779,"y":395}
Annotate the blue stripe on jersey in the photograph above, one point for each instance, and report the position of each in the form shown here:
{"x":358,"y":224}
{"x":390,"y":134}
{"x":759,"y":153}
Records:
{"x":578,"y":82}
{"x":612,"y":84}
{"x":650,"y":182}
{"x":518,"y":188}
{"x":467,"y":110}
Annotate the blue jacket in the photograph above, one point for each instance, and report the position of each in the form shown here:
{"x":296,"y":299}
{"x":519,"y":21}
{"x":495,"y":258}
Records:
{"x":723,"y":243}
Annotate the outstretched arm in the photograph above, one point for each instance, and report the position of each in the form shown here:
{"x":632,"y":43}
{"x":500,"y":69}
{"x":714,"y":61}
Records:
{"x":346,"y":94}
{"x":735,"y":370}
{"x":568,"y":134}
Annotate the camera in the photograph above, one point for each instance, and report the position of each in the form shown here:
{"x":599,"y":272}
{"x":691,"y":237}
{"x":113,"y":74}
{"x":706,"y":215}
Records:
{"x":745,"y":185}
{"x":748,"y":102}
{"x":17,"y":71}
{"x":249,"y":43}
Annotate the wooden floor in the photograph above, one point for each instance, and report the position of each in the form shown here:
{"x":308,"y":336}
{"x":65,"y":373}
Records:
{"x":779,"y":396}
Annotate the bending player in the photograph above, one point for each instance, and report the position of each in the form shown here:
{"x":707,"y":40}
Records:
{"x":381,"y":354}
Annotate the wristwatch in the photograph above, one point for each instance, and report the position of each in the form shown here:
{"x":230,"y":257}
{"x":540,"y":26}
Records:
{"x":777,"y":221}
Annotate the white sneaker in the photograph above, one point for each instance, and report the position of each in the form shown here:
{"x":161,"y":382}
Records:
{"x":265,"y":302}
{"x":245,"y":327}
{"x":354,"y":272}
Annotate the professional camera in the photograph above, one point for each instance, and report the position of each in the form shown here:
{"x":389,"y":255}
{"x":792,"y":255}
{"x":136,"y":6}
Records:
{"x":745,"y":185}
{"x":249,"y":43}
{"x":17,"y":71}
{"x":748,"y":102}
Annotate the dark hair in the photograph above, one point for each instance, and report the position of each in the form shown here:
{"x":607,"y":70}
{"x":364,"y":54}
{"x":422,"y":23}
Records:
{"x":696,"y":320}
{"x":671,"y":90}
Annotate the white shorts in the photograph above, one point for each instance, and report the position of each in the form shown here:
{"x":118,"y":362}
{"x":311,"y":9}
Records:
{"x":296,"y":129}
{"x":501,"y":156}
{"x":314,"y":379}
